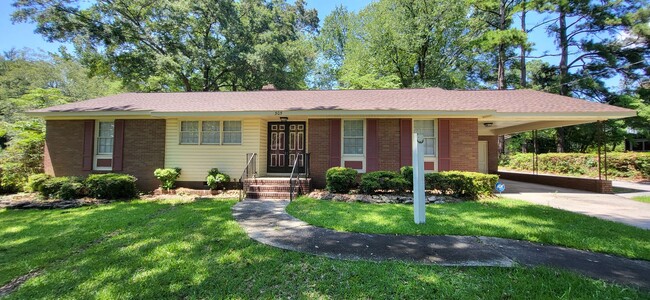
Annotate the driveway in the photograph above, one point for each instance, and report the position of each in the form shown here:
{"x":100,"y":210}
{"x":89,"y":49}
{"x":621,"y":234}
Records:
{"x":613,"y":207}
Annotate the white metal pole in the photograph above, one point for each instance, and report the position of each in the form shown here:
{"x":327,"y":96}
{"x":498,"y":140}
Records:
{"x":419,"y":215}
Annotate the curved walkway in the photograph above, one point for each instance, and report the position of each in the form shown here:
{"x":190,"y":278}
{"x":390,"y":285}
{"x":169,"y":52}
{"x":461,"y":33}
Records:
{"x":268,"y":222}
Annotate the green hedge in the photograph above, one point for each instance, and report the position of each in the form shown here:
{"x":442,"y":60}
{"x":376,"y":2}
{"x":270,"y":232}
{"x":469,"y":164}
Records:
{"x":376,"y":181}
{"x":216,"y":180}
{"x":65,"y":188}
{"x":167,"y":177}
{"x":466,"y":185}
{"x":619,"y":164}
{"x":340,"y":180}
{"x":111,"y":186}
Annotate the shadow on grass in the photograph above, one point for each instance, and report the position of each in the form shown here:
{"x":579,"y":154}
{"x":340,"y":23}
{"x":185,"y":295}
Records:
{"x":498,"y":218}
{"x":197,"y":250}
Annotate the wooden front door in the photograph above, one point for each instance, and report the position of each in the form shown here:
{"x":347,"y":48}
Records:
{"x":286,"y":140}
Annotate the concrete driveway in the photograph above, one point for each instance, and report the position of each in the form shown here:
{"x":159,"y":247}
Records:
{"x":605,"y":206}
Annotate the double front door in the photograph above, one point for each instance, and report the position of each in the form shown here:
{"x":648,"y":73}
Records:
{"x":286,"y":141}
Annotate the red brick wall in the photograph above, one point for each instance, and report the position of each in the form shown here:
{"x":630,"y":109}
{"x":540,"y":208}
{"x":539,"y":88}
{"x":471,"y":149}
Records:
{"x":64,"y":141}
{"x":493,"y":152}
{"x":463,"y":143}
{"x":584,"y":184}
{"x":318,"y":131}
{"x":388,"y":135}
{"x":144,"y":149}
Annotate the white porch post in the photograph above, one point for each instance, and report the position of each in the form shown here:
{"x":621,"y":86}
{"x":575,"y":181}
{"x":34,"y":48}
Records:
{"x":418,"y":181}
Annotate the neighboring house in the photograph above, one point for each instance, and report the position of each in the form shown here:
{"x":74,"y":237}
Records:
{"x":367,"y":130}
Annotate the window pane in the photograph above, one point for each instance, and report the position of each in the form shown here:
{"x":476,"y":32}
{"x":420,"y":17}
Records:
{"x":232,"y":137}
{"x":189,"y":125}
{"x":105,"y":138}
{"x":424,"y":128}
{"x":353,"y":146}
{"x":232,"y":126}
{"x":429,"y":146}
{"x":189,"y":137}
{"x":189,"y":132}
{"x":232,"y":132}
{"x":211,"y":133}
{"x":353,"y":128}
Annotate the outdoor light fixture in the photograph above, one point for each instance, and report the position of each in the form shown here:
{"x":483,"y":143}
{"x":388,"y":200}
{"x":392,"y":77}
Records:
{"x":284,"y":119}
{"x":488,"y":124}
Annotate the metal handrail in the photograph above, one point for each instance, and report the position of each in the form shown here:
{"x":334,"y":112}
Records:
{"x":293,"y":171}
{"x":246,"y":174}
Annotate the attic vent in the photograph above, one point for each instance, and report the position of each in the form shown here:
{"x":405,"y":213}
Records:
{"x":269,"y":87}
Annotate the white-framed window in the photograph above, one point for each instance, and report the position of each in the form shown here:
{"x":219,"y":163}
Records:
{"x":189,"y":133}
{"x":210,"y":133}
{"x":353,"y":137}
{"x":232,"y":132}
{"x":426,"y":130}
{"x":105,"y":137}
{"x":104,"y":140}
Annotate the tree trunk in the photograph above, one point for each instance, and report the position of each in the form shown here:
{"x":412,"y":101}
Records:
{"x":501,"y":64}
{"x":564,"y":72}
{"x":522,"y":56}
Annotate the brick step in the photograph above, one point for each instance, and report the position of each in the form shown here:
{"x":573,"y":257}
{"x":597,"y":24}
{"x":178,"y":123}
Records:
{"x":275,"y":188}
{"x":267,"y":195}
{"x":273,"y":180}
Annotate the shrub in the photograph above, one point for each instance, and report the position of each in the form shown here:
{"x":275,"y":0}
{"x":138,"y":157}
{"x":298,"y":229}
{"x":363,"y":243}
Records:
{"x":167,"y":177}
{"x":111,"y":186}
{"x":620,"y":164}
{"x":467,"y":185}
{"x":373,"y":182}
{"x":340,"y":180}
{"x":216,"y":179}
{"x":35,"y":182}
{"x":407,"y":173}
{"x":23,"y":155}
{"x":65,"y":188}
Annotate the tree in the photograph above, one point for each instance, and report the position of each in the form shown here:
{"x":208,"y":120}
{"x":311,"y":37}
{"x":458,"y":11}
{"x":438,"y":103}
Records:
{"x":422,"y":43}
{"x":499,"y":36}
{"x":585,"y":33}
{"x":190,"y":45}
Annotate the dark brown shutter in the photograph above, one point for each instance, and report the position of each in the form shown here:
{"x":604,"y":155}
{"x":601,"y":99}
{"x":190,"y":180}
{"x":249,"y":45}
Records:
{"x":444,"y":145}
{"x":89,"y":142}
{"x":405,"y":140}
{"x":372,"y":146}
{"x":118,"y":145}
{"x":335,"y":142}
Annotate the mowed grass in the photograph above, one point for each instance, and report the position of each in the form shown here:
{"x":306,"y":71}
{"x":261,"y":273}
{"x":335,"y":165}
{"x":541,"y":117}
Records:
{"x":645,"y":199}
{"x":497,"y":217}
{"x":160,"y":250}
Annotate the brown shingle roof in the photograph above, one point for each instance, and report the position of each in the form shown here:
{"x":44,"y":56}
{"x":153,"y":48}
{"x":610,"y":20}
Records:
{"x":431,"y":99}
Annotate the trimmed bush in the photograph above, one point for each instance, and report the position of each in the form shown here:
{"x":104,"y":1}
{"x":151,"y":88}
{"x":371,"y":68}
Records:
{"x":35,"y":182}
{"x":216,"y":179}
{"x":167,"y":177}
{"x":619,"y":164}
{"x":65,"y":188}
{"x":376,"y":181}
{"x":340,"y":180}
{"x":466,"y":185}
{"x":407,"y":173}
{"x":111,"y":186}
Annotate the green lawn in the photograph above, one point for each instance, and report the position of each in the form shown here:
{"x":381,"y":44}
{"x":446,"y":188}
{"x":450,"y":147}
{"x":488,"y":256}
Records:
{"x":505,"y":218}
{"x":645,"y":199}
{"x":196,"y":250}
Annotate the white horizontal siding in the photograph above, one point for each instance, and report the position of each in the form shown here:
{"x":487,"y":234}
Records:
{"x":196,"y":160}
{"x":263,"y":155}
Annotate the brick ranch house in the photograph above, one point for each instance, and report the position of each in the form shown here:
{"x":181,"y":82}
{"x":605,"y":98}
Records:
{"x":367,"y":130}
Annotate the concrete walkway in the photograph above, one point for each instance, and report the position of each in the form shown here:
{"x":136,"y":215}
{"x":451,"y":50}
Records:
{"x":613,"y":207}
{"x":267,"y":222}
